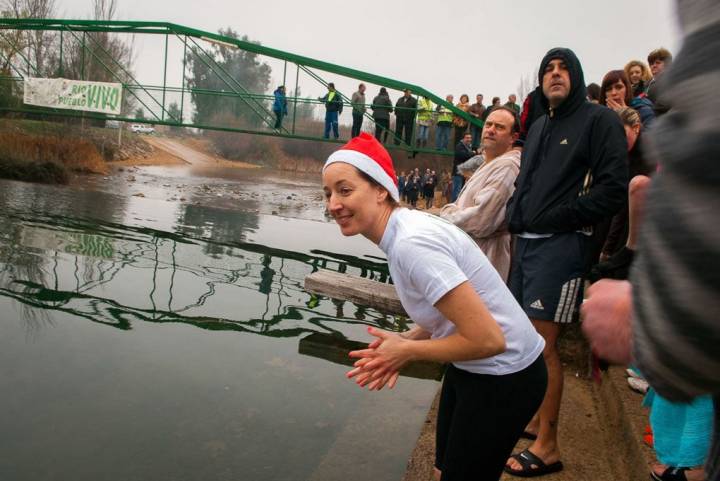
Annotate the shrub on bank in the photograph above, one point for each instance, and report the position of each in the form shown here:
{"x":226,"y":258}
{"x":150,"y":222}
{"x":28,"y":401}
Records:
{"x":44,"y":172}
{"x":42,"y":158}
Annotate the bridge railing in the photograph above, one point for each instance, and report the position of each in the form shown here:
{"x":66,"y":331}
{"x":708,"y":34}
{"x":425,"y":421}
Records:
{"x":155,"y":99}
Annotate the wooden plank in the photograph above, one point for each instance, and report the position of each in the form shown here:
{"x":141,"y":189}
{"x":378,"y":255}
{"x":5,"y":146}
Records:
{"x":336,"y":349}
{"x":359,"y":290}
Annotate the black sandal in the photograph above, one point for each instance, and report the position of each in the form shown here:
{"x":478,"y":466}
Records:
{"x":670,"y":474}
{"x":533,"y":466}
{"x":528,"y":435}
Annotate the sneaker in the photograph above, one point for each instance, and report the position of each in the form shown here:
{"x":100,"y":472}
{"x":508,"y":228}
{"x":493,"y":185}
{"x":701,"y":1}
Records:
{"x":637,"y":384}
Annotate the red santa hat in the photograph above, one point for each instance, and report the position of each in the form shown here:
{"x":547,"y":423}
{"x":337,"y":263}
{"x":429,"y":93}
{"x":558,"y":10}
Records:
{"x":368,"y":155}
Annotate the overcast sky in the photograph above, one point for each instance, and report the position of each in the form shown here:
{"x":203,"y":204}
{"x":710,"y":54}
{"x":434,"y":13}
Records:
{"x":447,"y":47}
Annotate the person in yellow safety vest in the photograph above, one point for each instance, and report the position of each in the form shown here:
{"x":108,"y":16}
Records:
{"x":444,"y":124}
{"x":424,"y":117}
{"x":333,"y":108}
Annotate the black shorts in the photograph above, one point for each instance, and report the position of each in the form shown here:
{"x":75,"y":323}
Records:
{"x":547,"y":276}
{"x":481,"y":418}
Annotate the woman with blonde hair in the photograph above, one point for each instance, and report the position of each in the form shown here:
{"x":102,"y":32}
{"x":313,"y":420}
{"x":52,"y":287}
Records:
{"x":460,"y":124}
{"x":639,"y":75}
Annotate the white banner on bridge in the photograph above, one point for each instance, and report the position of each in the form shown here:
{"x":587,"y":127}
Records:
{"x":74,"y":94}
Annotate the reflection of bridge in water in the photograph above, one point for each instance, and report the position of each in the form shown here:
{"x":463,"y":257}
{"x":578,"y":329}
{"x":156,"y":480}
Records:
{"x":115,"y":274}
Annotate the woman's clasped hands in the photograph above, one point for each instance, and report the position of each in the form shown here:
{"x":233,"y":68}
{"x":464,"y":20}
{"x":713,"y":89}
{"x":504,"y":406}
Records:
{"x":379,"y":365}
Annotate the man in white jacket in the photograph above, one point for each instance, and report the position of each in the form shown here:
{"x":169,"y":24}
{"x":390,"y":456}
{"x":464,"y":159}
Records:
{"x":480,"y":207}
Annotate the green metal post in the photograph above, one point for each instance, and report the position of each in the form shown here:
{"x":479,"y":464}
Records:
{"x":182,"y":94}
{"x":82,"y":67}
{"x":284,"y":72}
{"x":413,"y":137}
{"x":60,"y":72}
{"x":164,"y":78}
{"x":82,"y":77}
{"x":297,"y":77}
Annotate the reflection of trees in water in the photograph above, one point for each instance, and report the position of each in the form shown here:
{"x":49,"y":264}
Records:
{"x":18,"y":263}
{"x":217,"y":224}
{"x":177,"y":281}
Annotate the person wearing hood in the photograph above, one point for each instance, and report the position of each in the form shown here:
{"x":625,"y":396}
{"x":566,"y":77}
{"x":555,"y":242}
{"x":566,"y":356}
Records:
{"x":279,"y":106}
{"x":573,"y":175}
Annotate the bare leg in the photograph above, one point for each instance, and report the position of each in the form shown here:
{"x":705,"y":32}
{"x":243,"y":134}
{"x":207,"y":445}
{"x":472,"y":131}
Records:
{"x":546,"y":445}
{"x":638,"y":191}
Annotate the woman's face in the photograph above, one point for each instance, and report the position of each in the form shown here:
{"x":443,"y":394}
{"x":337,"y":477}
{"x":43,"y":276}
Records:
{"x":354,"y":203}
{"x":635,"y":74}
{"x":616,"y":92}
{"x":632,"y":133}
{"x":464,"y":99}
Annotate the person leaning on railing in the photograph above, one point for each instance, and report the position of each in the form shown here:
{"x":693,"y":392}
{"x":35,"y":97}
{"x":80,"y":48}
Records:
{"x":461,"y":125}
{"x":444,"y":124}
{"x":333,"y":108}
{"x":424,"y":118}
{"x":358,"y":105}
{"x":279,"y":106}
{"x":382,"y":107}
{"x":405,"y":110}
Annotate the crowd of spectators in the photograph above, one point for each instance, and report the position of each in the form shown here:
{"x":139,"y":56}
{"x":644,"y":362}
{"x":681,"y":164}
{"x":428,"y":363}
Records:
{"x":572,"y":221}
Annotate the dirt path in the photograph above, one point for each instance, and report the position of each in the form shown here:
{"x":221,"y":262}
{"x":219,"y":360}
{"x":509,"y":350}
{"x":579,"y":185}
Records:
{"x":191,"y":155}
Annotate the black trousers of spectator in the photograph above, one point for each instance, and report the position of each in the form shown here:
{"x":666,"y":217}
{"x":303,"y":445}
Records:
{"x":382,"y":127}
{"x":357,"y":123}
{"x":406,"y":126}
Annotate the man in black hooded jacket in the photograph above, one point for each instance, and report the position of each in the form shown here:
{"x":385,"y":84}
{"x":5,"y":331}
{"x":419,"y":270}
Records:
{"x":573,"y":175}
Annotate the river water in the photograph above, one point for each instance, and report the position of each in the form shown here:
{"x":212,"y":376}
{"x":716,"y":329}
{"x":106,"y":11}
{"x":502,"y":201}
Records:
{"x":168,"y":336}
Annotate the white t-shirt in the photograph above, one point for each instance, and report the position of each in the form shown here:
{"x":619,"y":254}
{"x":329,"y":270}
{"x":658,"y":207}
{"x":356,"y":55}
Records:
{"x":428,"y":257}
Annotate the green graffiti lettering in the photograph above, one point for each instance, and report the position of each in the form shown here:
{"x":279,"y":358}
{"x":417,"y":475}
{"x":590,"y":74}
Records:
{"x":91,"y":96}
{"x":114,"y":98}
{"x":105,"y":92}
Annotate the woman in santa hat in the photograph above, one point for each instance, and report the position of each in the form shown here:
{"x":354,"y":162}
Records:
{"x":464,"y":316}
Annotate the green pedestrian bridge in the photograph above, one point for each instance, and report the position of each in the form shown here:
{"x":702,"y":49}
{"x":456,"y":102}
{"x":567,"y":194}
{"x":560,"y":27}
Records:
{"x":83,"y":53}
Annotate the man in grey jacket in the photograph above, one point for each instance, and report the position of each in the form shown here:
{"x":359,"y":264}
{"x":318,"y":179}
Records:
{"x":358,"y":109}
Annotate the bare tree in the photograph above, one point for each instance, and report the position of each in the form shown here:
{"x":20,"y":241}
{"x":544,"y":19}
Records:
{"x":37,"y":45}
{"x":98,"y":56}
{"x":527,"y":84}
{"x":104,"y":9}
